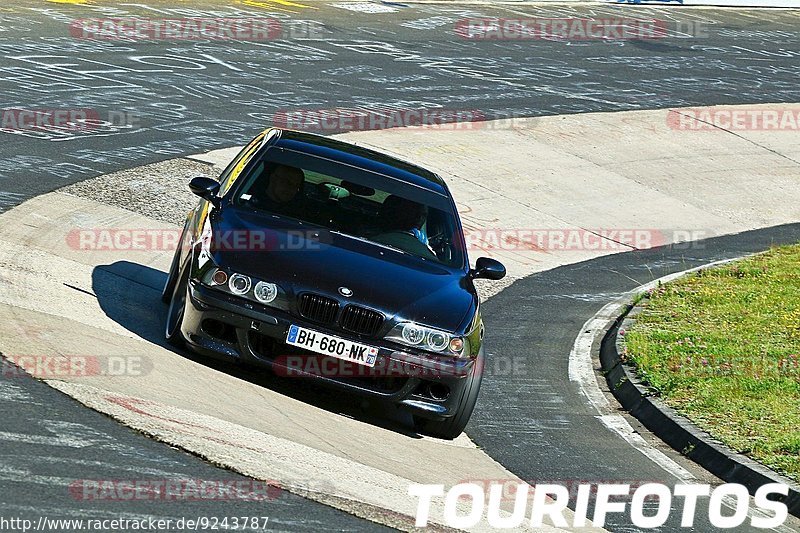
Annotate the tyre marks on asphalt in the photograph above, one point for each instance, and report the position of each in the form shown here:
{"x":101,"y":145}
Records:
{"x":50,"y":445}
{"x":617,"y":453}
{"x":374,"y":494}
{"x":186,"y":97}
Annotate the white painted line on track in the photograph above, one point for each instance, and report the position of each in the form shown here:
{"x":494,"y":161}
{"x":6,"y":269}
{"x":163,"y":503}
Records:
{"x":581,"y":369}
{"x":621,"y":427}
{"x":582,"y":372}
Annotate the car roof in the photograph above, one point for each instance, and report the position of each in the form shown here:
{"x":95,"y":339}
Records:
{"x":358,"y":156}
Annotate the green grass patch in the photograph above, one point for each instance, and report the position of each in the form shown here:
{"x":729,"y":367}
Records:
{"x":722,"y":347}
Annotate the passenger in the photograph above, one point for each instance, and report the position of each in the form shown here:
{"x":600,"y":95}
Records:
{"x":284,"y":183}
{"x":282,"y":192}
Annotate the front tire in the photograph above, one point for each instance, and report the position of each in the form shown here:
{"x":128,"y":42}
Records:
{"x":172,"y":276}
{"x":177,"y":308}
{"x":453,"y":426}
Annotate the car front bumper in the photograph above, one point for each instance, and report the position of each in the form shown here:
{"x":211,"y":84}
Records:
{"x":221,"y":325}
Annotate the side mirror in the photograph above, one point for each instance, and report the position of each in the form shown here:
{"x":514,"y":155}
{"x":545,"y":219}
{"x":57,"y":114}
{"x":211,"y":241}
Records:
{"x":205,"y":188}
{"x":488,"y":268}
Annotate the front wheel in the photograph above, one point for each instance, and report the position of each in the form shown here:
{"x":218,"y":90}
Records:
{"x":172,"y":276}
{"x":453,"y":426}
{"x":177,"y":308}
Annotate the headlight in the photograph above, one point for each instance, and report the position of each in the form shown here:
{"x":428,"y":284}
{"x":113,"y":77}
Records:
{"x":237,"y":284}
{"x":437,"y":341}
{"x":265,"y":292}
{"x":425,"y":338}
{"x":219,"y":277}
{"x":412,"y":333}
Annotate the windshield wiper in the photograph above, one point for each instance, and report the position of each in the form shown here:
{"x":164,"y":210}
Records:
{"x":364,"y":239}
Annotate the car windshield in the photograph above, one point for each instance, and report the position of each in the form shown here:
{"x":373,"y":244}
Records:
{"x":353,"y":201}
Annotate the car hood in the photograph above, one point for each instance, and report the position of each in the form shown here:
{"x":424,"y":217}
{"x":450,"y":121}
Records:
{"x":305,"y":258}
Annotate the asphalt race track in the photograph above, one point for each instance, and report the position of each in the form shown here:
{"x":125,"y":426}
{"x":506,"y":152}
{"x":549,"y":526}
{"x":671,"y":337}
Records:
{"x":521,"y":416}
{"x":179,"y":99}
{"x":188,"y":98}
{"x":48,"y":438}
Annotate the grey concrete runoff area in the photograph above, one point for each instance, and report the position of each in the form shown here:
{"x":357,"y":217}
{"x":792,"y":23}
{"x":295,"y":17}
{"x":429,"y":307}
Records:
{"x":59,"y":298}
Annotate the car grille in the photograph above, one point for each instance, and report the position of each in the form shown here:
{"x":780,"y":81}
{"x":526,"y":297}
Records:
{"x":361,"y":320}
{"x":318,"y":308}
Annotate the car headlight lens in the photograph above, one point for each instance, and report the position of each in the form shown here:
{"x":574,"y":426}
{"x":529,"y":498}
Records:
{"x":412,"y":333}
{"x":239,"y":284}
{"x":437,"y":341}
{"x":425,"y":338}
{"x":265,"y":292}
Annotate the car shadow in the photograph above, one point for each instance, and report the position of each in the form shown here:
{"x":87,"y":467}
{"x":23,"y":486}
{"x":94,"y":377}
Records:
{"x":130,"y":295}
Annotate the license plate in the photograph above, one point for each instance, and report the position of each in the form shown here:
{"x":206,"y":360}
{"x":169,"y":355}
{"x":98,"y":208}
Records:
{"x":331,"y":345}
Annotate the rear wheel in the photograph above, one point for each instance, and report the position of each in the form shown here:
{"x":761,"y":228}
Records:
{"x":453,"y":426}
{"x":177,"y":308}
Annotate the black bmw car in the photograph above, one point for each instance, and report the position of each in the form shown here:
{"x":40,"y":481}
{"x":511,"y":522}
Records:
{"x":325,"y":260}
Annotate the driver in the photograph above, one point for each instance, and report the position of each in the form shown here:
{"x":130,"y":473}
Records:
{"x":402,"y":222}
